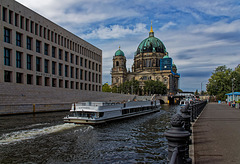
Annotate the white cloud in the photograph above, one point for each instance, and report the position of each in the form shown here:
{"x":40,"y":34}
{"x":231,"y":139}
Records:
{"x":218,"y":8}
{"x":166,"y":26}
{"x":115,"y":31}
{"x":219,"y":27}
{"x":79,"y":12}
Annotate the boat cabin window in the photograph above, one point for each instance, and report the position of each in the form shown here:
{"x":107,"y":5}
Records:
{"x":132,"y":110}
{"x":88,"y":114}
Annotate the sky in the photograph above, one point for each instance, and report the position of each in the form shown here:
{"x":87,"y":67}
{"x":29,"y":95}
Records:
{"x":198,"y":35}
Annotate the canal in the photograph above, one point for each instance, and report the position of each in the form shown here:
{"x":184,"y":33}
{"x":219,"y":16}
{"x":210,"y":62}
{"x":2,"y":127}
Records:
{"x":44,"y":138}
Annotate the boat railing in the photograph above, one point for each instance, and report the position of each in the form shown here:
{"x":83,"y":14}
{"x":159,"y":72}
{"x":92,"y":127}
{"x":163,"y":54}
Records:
{"x":111,"y":106}
{"x":89,"y":103}
{"x":96,"y":103}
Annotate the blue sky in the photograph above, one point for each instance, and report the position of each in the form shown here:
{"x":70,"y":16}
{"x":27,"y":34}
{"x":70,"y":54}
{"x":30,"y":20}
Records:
{"x":199,"y":35}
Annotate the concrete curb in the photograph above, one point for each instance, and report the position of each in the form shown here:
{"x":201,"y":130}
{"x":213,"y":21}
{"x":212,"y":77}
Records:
{"x":191,"y":147}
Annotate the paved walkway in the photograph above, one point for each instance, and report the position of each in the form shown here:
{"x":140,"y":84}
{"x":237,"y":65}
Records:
{"x":217,"y":135}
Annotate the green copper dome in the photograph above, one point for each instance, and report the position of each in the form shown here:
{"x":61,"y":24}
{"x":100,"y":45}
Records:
{"x":119,"y":53}
{"x":151,"y":44}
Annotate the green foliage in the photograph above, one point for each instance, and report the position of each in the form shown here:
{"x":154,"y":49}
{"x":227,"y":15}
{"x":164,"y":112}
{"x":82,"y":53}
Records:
{"x":221,"y":82}
{"x":196,"y":92}
{"x":106,"y":88}
{"x":179,"y":90}
{"x":154,"y":87}
{"x":114,"y":89}
{"x":129,"y":87}
{"x":151,"y":87}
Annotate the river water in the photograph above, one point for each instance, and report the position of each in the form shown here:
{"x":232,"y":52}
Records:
{"x":44,"y":138}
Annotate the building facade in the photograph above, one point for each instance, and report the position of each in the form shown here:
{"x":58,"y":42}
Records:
{"x":35,"y":51}
{"x":151,"y":62}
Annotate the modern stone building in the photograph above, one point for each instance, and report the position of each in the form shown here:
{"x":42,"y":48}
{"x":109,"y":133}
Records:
{"x":151,"y":62}
{"x":35,"y":51}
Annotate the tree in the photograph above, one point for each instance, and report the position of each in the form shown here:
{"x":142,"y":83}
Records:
{"x":115,"y":89}
{"x":235,"y":75}
{"x":133,"y":87}
{"x":220,"y":82}
{"x":130,"y":87}
{"x":154,"y":87}
{"x":179,"y":90}
{"x":196,"y":93}
{"x":106,"y":88}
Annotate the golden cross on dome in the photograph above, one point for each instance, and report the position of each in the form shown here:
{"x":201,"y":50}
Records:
{"x":151,"y":27}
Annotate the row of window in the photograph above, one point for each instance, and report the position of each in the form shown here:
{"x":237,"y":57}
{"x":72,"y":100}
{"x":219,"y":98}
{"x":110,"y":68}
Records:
{"x":69,"y":71}
{"x":78,"y":60}
{"x":37,"y":29}
{"x":61,"y":83}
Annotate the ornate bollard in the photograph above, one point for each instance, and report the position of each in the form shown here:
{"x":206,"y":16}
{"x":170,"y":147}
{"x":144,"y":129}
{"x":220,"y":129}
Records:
{"x":200,"y":107}
{"x":187,"y":121}
{"x":178,"y":139}
{"x":186,"y":118}
{"x":191,"y":108}
{"x":196,"y":109}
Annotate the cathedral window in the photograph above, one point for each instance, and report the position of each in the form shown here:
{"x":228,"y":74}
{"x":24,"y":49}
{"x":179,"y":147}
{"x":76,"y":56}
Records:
{"x":149,"y":63}
{"x":157,"y":63}
{"x":138,"y":64}
{"x":117,"y":63}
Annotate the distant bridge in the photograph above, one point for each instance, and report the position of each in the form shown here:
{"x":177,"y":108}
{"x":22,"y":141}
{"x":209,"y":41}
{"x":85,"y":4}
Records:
{"x":170,"y":99}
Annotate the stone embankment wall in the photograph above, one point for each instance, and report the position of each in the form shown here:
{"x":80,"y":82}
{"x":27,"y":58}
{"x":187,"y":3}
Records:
{"x":20,"y":98}
{"x":32,"y":108}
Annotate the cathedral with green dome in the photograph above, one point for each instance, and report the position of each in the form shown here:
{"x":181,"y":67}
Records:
{"x":151,"y":62}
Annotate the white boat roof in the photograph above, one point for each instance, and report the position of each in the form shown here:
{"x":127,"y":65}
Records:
{"x":106,"y":106}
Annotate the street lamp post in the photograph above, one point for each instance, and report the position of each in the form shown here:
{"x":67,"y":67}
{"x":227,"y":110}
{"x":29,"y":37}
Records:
{"x":201,"y":87}
{"x":132,"y":88}
{"x":233,"y":89}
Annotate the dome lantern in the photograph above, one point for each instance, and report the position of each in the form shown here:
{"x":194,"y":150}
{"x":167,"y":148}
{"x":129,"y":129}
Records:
{"x":151,"y":33}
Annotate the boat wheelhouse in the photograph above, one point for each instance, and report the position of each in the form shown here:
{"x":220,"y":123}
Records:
{"x":100,"y":112}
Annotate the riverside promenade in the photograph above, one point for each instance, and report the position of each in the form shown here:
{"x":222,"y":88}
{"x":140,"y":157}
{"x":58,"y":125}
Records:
{"x":217,"y":135}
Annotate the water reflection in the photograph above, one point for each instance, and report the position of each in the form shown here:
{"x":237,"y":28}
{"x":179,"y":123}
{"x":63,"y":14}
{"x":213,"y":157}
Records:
{"x":135,"y":140}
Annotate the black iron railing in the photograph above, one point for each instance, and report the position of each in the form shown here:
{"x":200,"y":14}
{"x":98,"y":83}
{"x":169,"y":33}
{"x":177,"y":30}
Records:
{"x":179,"y":135}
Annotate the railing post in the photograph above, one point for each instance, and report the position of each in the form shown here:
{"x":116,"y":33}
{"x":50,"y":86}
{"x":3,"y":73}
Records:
{"x":178,"y":138}
{"x":186,"y":118}
{"x":194,"y":111}
{"x":191,"y":111}
{"x":199,"y":108}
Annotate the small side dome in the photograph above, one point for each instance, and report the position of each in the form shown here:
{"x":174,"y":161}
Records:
{"x":174,"y":68}
{"x":165,"y":57}
{"x":119,"y":52}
